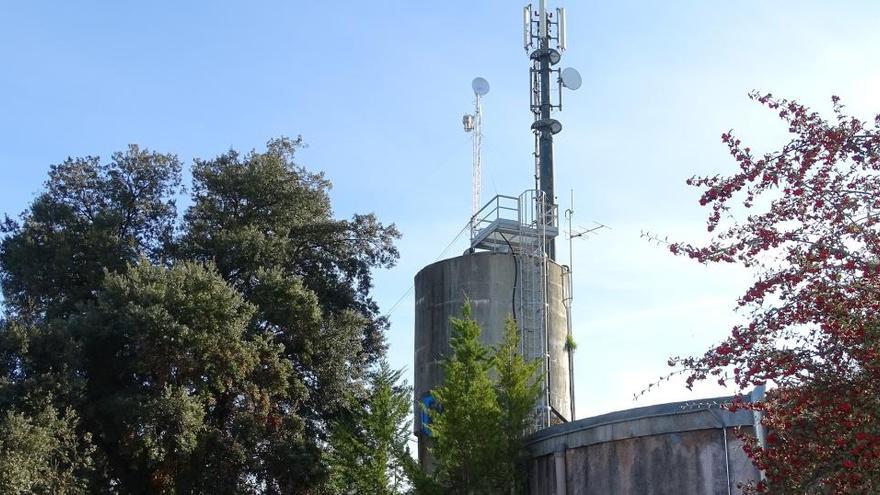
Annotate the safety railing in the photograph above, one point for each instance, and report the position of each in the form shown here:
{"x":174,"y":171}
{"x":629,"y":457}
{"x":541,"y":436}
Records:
{"x":500,"y":207}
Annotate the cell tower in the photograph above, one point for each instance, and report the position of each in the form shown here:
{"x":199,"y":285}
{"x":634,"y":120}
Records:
{"x":540,"y":29}
{"x":510,"y":267}
{"x":473,"y":123}
{"x":527,"y":226}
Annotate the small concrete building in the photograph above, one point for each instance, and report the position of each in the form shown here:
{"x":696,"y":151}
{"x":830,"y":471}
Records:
{"x":682,"y":448}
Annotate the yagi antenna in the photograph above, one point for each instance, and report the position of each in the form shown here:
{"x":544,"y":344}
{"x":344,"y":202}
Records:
{"x":473,"y":123}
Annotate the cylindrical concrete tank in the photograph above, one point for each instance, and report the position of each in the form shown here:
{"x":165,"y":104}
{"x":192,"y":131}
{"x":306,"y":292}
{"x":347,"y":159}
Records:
{"x":488,"y":280}
{"x":681,"y":448}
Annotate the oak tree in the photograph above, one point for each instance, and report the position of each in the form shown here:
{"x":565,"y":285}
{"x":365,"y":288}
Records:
{"x":211,"y":358}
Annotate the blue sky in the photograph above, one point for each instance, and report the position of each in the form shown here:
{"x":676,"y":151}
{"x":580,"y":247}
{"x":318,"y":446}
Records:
{"x":377,"y":89}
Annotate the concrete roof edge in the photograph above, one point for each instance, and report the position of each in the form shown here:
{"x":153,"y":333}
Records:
{"x":739,"y":418}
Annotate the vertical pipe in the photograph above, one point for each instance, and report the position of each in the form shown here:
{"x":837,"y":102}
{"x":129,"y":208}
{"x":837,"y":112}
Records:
{"x":559,"y":462}
{"x":726,"y":457}
{"x":545,"y":318}
{"x":760,"y":432}
{"x":566,"y":301}
{"x":545,"y":146}
{"x":723,"y":426}
{"x":545,"y":139}
{"x":568,"y":323}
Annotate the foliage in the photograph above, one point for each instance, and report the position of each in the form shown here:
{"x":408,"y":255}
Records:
{"x":210,"y":361}
{"x":369,"y":452}
{"x":812,"y":315}
{"x":43,"y":453}
{"x":91,"y":218}
{"x":262,"y":211}
{"x":175,"y":383}
{"x":477,"y":434}
{"x":466,"y":445}
{"x":518,"y":387}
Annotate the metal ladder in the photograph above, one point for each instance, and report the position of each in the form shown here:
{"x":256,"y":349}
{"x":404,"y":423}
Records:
{"x":532,"y":314}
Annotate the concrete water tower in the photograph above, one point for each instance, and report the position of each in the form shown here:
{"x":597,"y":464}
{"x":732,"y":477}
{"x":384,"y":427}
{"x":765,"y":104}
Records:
{"x":510,"y":268}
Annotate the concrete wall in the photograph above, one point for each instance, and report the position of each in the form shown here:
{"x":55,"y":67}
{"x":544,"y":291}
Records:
{"x":674,"y":449}
{"x":487,"y":279}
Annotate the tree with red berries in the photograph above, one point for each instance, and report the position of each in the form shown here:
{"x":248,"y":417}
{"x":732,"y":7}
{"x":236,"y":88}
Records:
{"x":811,"y":329}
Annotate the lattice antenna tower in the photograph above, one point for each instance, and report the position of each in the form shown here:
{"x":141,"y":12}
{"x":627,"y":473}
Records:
{"x":473,"y":123}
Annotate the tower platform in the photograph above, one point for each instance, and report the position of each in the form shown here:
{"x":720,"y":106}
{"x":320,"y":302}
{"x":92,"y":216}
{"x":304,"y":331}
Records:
{"x":514,"y":223}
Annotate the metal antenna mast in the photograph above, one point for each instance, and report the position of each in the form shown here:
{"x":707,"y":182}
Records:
{"x":540,"y":30}
{"x":526,"y":226}
{"x":473,"y":123}
{"x":568,"y":289}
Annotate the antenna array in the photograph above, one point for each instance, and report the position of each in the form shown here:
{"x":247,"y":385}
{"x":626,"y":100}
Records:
{"x":541,"y":29}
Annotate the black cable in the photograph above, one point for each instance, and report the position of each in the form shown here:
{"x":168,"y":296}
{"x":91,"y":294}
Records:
{"x":413,"y":286}
{"x":558,"y":414}
{"x":515,"y":276}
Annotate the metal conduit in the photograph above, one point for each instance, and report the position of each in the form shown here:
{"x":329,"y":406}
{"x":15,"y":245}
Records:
{"x":726,"y":452}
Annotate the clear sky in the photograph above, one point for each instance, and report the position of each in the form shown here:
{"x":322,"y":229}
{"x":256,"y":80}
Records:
{"x":377,"y":90}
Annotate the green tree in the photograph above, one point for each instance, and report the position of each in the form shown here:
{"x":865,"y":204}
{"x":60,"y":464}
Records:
{"x":92,"y":218}
{"x":179,"y":396}
{"x":518,"y":386}
{"x":267,"y":224}
{"x":213,"y":360}
{"x":369,"y":449}
{"x":262,"y":211}
{"x":485,"y":405}
{"x":43,"y":453}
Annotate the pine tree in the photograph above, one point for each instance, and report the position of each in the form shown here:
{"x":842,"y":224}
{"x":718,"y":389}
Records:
{"x":477,"y":432}
{"x":369,"y":452}
{"x":517,"y":387}
{"x":465,"y":434}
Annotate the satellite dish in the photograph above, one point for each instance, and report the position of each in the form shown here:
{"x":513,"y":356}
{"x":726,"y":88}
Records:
{"x":571,"y":78}
{"x":481,"y":86}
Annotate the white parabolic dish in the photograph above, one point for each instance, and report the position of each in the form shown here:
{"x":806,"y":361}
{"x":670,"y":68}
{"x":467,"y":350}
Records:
{"x":480,"y":85}
{"x":571,"y":78}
